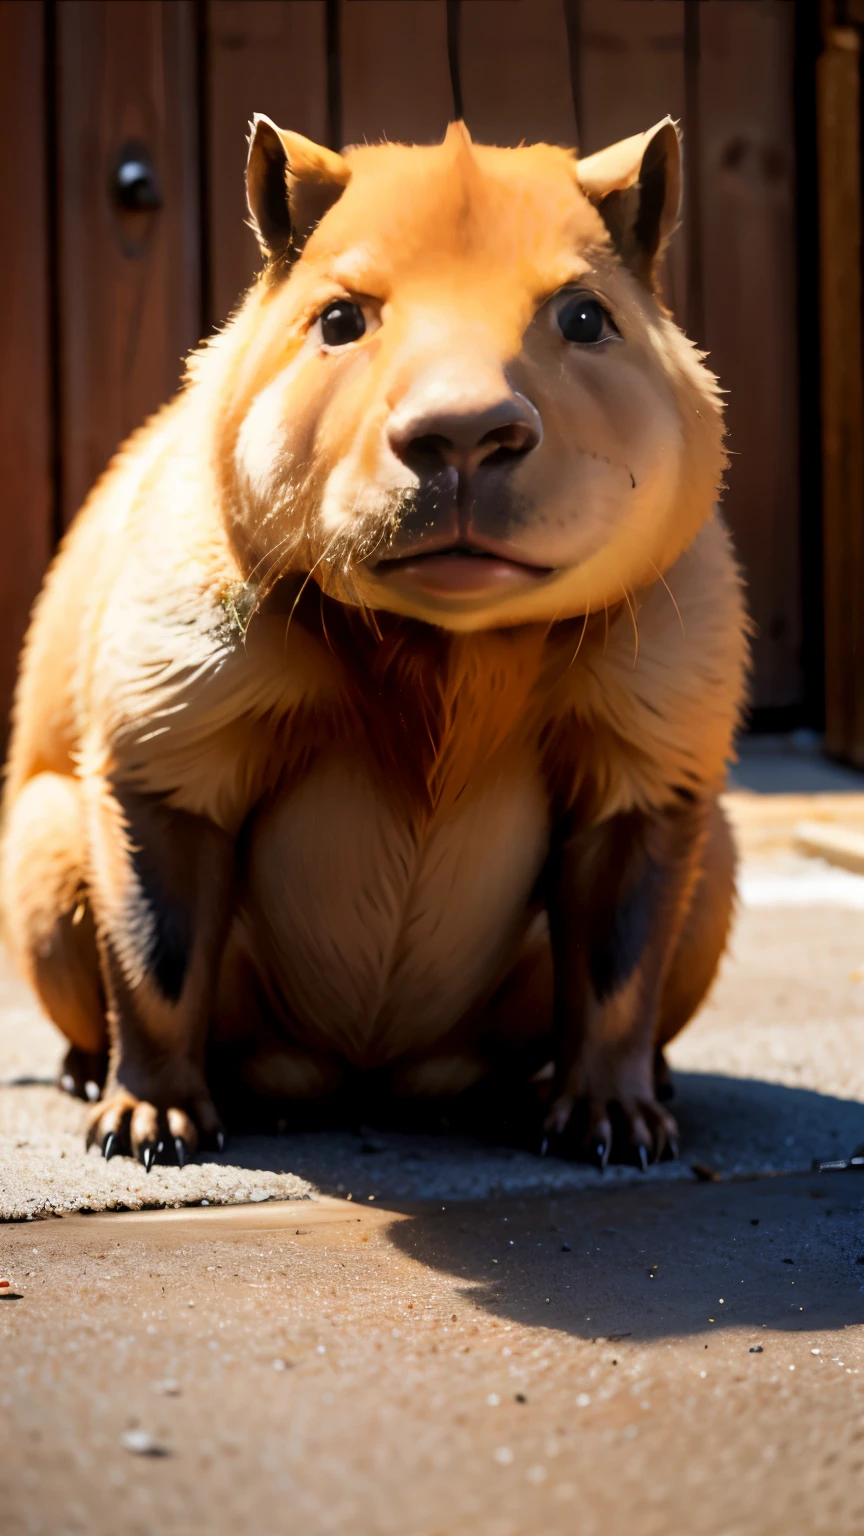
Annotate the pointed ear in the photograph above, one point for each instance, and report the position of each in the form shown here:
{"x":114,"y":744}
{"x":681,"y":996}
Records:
{"x":636,"y":187}
{"x":290,"y":184}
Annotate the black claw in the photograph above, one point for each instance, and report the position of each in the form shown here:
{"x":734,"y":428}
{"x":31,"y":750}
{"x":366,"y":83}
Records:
{"x":180,"y":1151}
{"x":674,"y":1149}
{"x":544,"y":1146}
{"x":600,"y":1154}
{"x":110,"y":1146}
{"x":642,"y":1152}
{"x":220,"y":1141}
{"x":148,"y":1155}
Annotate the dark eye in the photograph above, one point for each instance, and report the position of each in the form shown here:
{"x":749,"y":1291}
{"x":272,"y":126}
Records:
{"x":582,"y":319}
{"x":342,"y":323}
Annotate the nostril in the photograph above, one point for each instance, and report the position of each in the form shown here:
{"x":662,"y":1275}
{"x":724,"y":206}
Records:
{"x":502,"y":455}
{"x":503,"y":444}
{"x":430,"y":447}
{"x":465,"y":438}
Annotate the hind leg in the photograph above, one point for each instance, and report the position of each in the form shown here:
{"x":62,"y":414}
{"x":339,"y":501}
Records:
{"x":49,"y":922}
{"x":702,"y":939}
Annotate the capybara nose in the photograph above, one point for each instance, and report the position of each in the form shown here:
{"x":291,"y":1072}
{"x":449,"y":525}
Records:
{"x":429,"y":433}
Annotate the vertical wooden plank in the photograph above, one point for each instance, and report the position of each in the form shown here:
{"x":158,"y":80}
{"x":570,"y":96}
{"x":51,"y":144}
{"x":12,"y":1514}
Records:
{"x":631,"y":74}
{"x":263,"y":56}
{"x":395,"y":71}
{"x":26,"y":506}
{"x":839,"y":127}
{"x":129,"y":282}
{"x":748,"y":242}
{"x":514,"y":67}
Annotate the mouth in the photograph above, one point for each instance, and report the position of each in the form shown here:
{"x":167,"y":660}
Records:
{"x":460,"y":572}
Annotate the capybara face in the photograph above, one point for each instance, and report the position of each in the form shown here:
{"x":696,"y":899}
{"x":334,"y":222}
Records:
{"x":461,"y":400}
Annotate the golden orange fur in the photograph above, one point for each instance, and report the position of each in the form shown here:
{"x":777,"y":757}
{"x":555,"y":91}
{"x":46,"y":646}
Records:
{"x":273,"y":788}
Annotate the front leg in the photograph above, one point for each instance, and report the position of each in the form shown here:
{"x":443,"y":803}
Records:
{"x":617,"y":898}
{"x":160,"y":883}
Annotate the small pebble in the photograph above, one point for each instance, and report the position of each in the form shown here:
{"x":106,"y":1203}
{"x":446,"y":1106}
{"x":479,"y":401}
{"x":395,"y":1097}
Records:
{"x":755,"y":1349}
{"x":815,"y":1351}
{"x":140,"y":1443}
{"x":503,"y":1455}
{"x":493,"y":1399}
{"x":520,"y":1398}
{"x":583,"y":1400}
{"x":168,"y":1387}
{"x":279,"y":1365}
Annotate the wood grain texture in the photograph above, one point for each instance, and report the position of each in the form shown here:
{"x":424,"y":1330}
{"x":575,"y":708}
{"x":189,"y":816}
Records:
{"x":263,"y":56}
{"x":631,"y":74}
{"x":839,"y":113}
{"x":514,"y":65}
{"x":748,"y":243}
{"x":129,"y":282}
{"x":26,"y":506}
{"x":395,"y":71}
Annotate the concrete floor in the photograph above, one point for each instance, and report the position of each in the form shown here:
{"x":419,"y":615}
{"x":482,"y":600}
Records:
{"x":477,"y":1342}
{"x":679,"y":1359}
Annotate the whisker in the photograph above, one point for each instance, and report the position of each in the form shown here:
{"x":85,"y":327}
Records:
{"x":271,"y":553}
{"x":632,"y":612}
{"x":582,"y":637}
{"x":324,"y":628}
{"x":307,"y":578}
{"x":372,"y":621}
{"x":671,"y":595}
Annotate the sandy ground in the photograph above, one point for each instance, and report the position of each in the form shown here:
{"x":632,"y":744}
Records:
{"x":434,"y":1337}
{"x":679,"y":1359}
{"x":769,"y":1078}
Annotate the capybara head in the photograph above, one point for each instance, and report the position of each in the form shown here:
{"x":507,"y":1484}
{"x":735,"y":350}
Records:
{"x":453,"y":392}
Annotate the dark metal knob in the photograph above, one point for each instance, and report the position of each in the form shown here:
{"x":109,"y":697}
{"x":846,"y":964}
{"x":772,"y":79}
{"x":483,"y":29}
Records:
{"x":136,"y":185}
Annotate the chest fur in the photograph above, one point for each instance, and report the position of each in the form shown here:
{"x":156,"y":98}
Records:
{"x":379,"y":928}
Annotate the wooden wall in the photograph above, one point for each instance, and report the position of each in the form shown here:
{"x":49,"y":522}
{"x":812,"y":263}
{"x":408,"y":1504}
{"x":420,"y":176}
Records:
{"x":840,"y":137}
{"x":26,"y":427}
{"x":107,"y":301}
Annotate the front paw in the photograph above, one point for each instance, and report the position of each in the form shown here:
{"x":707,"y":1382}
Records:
{"x":611,"y":1113}
{"x":169,"y":1130}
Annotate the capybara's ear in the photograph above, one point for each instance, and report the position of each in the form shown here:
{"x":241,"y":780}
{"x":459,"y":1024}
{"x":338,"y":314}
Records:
{"x":290,"y":184}
{"x":636,"y":187}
